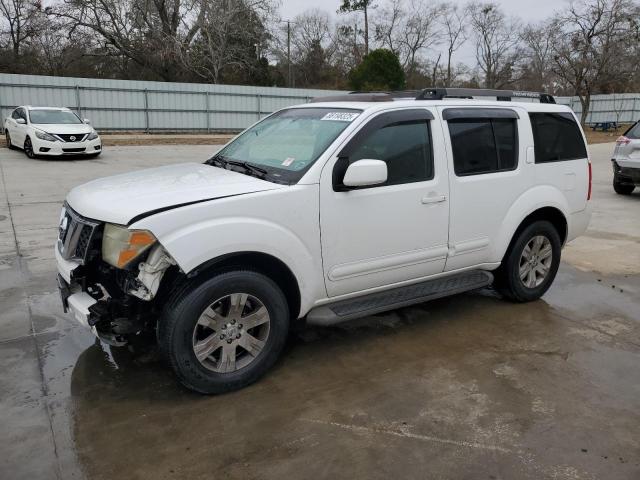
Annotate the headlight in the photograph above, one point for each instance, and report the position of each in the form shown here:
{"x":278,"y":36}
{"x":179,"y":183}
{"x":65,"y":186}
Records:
{"x":120,"y":246}
{"x":45,"y":136}
{"x":93,"y":135}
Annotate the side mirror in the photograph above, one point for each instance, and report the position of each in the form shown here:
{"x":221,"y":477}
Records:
{"x":87,"y":121}
{"x":21,"y":121}
{"x":364,"y":173}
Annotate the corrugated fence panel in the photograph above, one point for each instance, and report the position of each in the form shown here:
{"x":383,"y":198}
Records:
{"x":139,"y":105}
{"x":620,"y":108}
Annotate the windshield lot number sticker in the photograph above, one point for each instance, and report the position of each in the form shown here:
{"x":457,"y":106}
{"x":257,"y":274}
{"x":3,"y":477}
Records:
{"x":288,"y":161}
{"x":340,"y":116}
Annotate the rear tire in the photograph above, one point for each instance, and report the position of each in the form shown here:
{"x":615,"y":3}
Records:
{"x":622,"y":189}
{"x":531,"y":263}
{"x":225,"y":332}
{"x":8,"y":140}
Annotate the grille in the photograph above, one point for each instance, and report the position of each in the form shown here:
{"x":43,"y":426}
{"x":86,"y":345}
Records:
{"x":73,"y":150}
{"x":77,"y":137}
{"x":75,"y":235}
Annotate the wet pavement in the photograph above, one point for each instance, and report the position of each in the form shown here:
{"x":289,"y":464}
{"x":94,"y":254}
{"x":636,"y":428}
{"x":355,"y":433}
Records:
{"x":467,"y":387}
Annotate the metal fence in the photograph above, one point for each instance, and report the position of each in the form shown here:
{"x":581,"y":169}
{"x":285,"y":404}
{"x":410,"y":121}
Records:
{"x":619,"y":107}
{"x":161,"y":106}
{"x":151,"y":106}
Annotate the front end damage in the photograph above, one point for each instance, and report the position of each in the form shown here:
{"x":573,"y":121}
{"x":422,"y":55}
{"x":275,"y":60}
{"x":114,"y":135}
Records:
{"x":115,"y":303}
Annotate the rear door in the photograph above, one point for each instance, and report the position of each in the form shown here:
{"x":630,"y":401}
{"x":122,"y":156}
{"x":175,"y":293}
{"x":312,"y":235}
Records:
{"x":561,"y":156}
{"x":487,"y":148}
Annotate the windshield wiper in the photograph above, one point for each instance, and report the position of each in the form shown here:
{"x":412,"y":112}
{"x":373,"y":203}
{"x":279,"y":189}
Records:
{"x":249,"y":168}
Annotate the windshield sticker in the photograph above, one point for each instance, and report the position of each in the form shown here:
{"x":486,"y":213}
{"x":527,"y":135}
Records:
{"x":340,"y":116}
{"x":288,"y":161}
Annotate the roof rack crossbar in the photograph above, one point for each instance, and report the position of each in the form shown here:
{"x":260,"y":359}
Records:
{"x":502,"y":95}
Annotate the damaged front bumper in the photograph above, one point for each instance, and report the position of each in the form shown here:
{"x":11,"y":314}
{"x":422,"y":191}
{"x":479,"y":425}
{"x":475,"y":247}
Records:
{"x":112,"y":303}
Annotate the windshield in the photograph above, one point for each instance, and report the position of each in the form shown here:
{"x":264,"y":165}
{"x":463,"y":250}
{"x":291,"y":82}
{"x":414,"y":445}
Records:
{"x":53,"y":116}
{"x":287,"y":143}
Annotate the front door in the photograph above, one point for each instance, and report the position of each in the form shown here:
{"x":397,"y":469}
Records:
{"x":396,"y":231}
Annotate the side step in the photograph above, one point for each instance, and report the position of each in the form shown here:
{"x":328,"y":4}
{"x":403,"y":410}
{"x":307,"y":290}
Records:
{"x":344,"y":310}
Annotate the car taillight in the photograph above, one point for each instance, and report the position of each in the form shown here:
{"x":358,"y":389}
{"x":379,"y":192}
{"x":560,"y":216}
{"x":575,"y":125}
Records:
{"x":590,"y":182}
{"x":622,"y":140}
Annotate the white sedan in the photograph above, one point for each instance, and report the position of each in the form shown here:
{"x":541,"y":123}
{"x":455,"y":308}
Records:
{"x":50,"y":131}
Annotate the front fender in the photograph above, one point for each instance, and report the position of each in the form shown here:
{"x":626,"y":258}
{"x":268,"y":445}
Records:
{"x":533,"y":199}
{"x":265,"y":223}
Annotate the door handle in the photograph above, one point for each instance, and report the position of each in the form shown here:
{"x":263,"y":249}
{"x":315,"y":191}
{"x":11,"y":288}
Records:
{"x":434,"y":199}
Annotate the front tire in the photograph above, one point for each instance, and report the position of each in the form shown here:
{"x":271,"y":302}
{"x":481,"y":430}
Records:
{"x":531,"y":264}
{"x":225,"y":332}
{"x":28,"y":148}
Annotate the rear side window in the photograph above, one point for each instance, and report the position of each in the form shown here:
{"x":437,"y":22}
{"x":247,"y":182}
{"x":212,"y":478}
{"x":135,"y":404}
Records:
{"x":633,"y":132}
{"x":556,"y":137}
{"x":483,"y":145}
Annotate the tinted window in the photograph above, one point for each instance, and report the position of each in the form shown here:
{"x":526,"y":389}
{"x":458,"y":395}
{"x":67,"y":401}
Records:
{"x":483,"y":145}
{"x":15,"y":114}
{"x":404,"y":146}
{"x":556,"y":137}
{"x":633,"y":132}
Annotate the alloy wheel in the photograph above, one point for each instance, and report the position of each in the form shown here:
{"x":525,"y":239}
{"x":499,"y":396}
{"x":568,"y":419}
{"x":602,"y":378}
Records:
{"x":535,"y":261}
{"x":28,"y":148}
{"x":231,"y":333}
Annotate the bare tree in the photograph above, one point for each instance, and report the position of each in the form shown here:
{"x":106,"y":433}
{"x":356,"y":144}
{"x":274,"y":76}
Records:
{"x":408,"y":29}
{"x":496,"y":43}
{"x":587,"y":39}
{"x":19,"y":19}
{"x":454,"y":27}
{"x":538,"y":57}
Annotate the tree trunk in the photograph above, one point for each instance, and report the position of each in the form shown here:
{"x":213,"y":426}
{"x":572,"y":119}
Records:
{"x":585,"y":102}
{"x":366,"y":31}
{"x":448,"y":84}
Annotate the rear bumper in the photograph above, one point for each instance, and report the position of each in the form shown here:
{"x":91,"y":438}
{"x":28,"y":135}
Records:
{"x":578,"y":223}
{"x":626,"y":172}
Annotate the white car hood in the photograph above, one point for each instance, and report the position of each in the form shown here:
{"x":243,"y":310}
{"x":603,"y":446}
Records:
{"x":63,"y":128}
{"x":121,"y":198}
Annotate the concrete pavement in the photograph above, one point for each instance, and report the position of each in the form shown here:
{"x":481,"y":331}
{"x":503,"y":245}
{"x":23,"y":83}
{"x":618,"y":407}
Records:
{"x":465,"y":387}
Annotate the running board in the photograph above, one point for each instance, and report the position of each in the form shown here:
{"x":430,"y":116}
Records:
{"x":344,"y":310}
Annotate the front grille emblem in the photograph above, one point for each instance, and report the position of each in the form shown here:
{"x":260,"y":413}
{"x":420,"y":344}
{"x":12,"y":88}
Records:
{"x":72,"y":138}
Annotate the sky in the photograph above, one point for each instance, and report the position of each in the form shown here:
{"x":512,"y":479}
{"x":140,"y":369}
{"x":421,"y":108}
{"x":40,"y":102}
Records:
{"x":529,"y":11}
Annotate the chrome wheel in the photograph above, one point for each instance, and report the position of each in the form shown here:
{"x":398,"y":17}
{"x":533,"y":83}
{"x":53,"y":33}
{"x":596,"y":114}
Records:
{"x":535,"y":261}
{"x":231,"y":333}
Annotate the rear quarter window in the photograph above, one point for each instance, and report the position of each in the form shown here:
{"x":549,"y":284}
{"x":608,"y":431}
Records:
{"x":556,"y":137}
{"x":633,"y":132}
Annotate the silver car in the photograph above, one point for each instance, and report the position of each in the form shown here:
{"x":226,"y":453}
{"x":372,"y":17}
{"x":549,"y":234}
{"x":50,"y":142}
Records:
{"x":626,"y":161}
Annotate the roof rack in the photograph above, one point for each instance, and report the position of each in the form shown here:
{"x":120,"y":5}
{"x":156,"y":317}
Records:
{"x":435,"y":94}
{"x":501,"y":95}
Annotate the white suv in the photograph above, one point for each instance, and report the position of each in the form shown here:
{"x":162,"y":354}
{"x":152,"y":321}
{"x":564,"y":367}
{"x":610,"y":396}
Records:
{"x":327,"y":211}
{"x":50,"y":131}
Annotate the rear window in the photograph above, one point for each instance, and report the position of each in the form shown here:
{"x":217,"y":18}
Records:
{"x":633,"y":132}
{"x":556,"y":137}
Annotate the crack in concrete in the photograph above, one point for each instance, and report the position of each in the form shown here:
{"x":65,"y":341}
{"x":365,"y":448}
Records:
{"x":403,"y":433}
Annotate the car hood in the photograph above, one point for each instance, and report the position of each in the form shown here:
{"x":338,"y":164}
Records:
{"x":122,"y":198}
{"x":63,"y":128}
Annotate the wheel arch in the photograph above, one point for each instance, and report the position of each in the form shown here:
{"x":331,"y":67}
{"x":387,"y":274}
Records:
{"x":261,"y":262}
{"x":551,"y":214}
